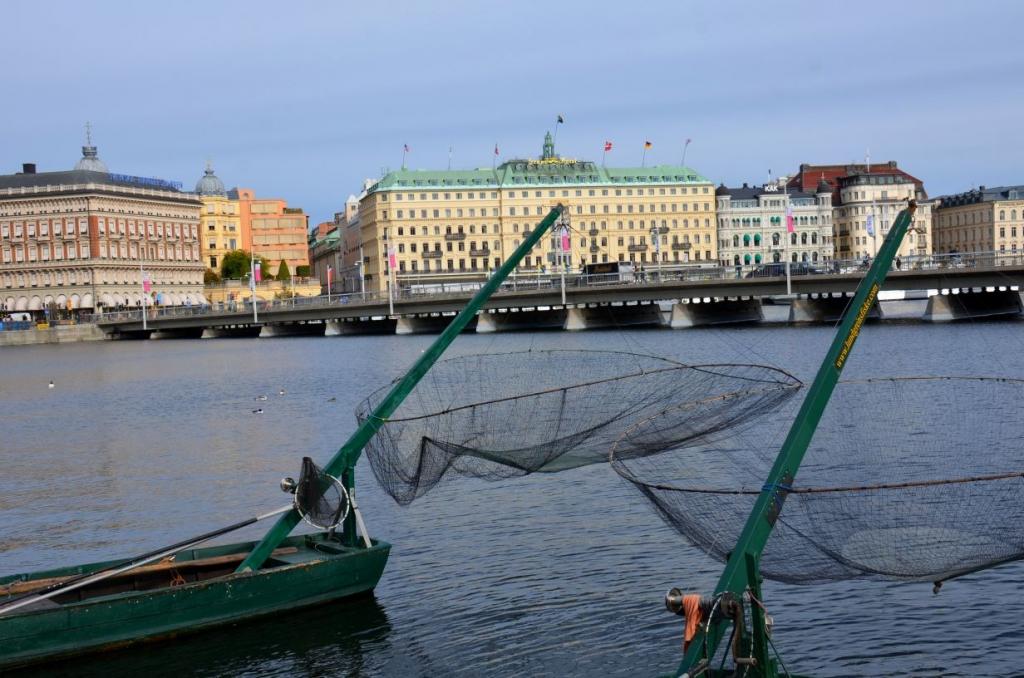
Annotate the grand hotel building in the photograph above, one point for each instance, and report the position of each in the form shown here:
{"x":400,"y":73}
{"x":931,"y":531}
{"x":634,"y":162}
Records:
{"x":468,"y":221}
{"x":79,"y":239}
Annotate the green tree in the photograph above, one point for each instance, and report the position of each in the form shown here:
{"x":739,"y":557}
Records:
{"x":265,"y":269}
{"x":302,"y":271}
{"x":210,"y":277}
{"x":282,"y":271}
{"x":235,"y":265}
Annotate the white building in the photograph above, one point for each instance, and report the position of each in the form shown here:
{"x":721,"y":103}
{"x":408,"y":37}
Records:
{"x":752,"y":225}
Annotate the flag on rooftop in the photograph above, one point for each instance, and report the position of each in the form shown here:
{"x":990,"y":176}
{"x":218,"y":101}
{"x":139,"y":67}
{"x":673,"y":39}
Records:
{"x":789,"y":220}
{"x":647,"y":144}
{"x":495,"y":149}
{"x":607,"y":146}
{"x":560,"y":120}
{"x":405,"y":147}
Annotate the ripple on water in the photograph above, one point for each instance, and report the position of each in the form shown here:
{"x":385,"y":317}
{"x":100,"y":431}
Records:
{"x":143,"y":444}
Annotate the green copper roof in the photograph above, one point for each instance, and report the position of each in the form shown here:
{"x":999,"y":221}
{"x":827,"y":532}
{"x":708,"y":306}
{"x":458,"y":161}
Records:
{"x":553,"y":172}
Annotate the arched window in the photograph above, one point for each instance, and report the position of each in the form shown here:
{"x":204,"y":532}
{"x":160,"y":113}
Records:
{"x":746,"y":259}
{"x":775,"y":240}
{"x":1002,"y":215}
{"x":735,"y":241}
{"x":746,"y":240}
{"x":803,"y":257}
{"x":736,"y":259}
{"x":814,"y":256}
{"x":1013,"y":215}
{"x":757,"y":239}
{"x":814,"y":238}
{"x":792,"y":240}
{"x":776,"y":257}
{"x":757,"y":258}
{"x":803,"y":238}
{"x":793,"y":258}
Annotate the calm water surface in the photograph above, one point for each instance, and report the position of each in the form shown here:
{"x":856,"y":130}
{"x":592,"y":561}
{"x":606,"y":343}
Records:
{"x":143,"y":444}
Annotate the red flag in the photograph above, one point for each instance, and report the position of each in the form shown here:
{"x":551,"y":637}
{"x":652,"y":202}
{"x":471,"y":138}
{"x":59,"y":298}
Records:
{"x":256,"y":272}
{"x":607,"y":146}
{"x":146,"y":284}
{"x":789,"y":220}
{"x":566,"y":246}
{"x":330,"y":272}
{"x":495,"y":149}
{"x":392,"y":259}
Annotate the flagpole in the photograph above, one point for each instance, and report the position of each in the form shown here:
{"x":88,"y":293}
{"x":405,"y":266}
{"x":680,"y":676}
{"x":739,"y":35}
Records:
{"x":643,"y":159}
{"x":685,"y":146}
{"x":558,"y":122}
{"x":142,"y":281}
{"x":405,"y":150}
{"x":789,"y":215}
{"x":328,"y":284}
{"x":252,"y":284}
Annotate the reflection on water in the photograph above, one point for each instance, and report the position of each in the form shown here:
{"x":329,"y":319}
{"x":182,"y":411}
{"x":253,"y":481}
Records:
{"x":142,"y":444}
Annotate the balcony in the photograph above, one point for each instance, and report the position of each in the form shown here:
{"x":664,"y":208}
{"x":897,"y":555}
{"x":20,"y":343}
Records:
{"x":684,"y":246}
{"x":526,"y":234}
{"x":480,"y":253}
{"x":844,"y":232}
{"x":594,"y":249}
{"x":435,"y":254}
{"x":593,"y":232}
{"x":454,"y":236}
{"x":637,"y":248}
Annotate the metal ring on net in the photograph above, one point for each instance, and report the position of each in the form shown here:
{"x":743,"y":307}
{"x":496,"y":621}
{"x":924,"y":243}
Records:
{"x":906,"y":478}
{"x":497,"y":416}
{"x":320,"y":499}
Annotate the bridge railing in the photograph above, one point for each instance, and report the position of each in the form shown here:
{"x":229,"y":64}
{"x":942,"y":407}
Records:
{"x":411,"y":288}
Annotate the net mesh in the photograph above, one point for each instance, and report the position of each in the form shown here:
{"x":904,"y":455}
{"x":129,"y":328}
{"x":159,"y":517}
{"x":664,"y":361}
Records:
{"x":319,"y":498}
{"x":915,"y":479}
{"x":498,"y":416}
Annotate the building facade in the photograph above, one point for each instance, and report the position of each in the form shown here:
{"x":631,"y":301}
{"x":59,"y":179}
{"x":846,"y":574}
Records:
{"x":980,"y":220}
{"x":272,"y":230}
{"x":220,"y":226}
{"x":752,"y":226}
{"x":81,"y":239}
{"x":468,"y":221}
{"x":869,"y":204}
{"x":880,"y":190}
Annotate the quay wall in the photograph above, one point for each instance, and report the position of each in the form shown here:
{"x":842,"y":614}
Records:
{"x":58,"y":334}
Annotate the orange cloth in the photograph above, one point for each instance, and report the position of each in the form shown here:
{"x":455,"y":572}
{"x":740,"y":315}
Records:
{"x":691,"y":610}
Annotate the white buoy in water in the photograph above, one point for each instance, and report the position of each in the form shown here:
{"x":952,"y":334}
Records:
{"x":258,"y":411}
{"x":261,"y":397}
{"x":51,"y":384}
{"x":281,"y":392}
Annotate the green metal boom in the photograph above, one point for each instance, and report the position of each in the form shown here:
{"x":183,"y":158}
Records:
{"x":343,"y":463}
{"x":742,"y":569}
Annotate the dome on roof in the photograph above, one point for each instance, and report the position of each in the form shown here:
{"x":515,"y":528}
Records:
{"x":90,"y":161}
{"x":721,"y":190}
{"x":824,"y":187}
{"x":209,"y":184}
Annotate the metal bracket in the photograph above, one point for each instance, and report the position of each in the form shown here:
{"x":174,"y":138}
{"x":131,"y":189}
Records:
{"x":779,"y":493}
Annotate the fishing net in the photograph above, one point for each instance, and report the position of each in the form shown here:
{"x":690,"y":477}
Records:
{"x":498,"y":416}
{"x":320,"y":498}
{"x":906,"y":478}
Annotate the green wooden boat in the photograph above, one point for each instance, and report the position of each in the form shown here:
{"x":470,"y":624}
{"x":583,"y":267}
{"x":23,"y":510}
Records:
{"x":183,"y":589}
{"x":196,"y":590}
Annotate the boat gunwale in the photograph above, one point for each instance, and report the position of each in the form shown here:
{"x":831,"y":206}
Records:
{"x":307,"y":540}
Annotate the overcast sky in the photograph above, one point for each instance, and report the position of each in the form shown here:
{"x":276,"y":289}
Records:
{"x":303,"y":100}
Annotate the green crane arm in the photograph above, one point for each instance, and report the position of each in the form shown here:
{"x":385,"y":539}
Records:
{"x":745,"y":556}
{"x":344,"y":461}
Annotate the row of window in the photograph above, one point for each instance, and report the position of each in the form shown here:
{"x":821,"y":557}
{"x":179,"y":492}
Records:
{"x":103,"y":277}
{"x":794,"y":239}
{"x":756,"y":221}
{"x":551,"y":193}
{"x":620,"y":225}
{"x":41,"y":229}
{"x":66,"y":251}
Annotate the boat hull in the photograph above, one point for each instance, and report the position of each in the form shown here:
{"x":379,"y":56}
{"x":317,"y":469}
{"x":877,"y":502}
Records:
{"x":307,"y":570}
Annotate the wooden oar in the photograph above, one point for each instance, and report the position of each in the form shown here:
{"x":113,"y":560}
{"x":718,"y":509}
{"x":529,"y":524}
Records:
{"x":138,"y":561}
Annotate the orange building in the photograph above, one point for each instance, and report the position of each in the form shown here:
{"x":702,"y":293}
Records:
{"x":273,"y":230}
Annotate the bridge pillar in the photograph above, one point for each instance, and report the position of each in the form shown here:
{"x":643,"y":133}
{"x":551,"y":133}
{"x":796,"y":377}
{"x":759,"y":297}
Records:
{"x":553,"y":318}
{"x":359,"y":326}
{"x":427,"y":324}
{"x":597,"y":317}
{"x":183,"y":333}
{"x":716,"y":313}
{"x":130,"y":335}
{"x":233,"y":332}
{"x":825,"y":309}
{"x":968,"y":305}
{"x":311,"y":329}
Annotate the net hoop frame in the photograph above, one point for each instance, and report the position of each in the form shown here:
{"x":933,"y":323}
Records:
{"x":672,"y":365}
{"x":618,"y":465}
{"x":344,"y":514}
